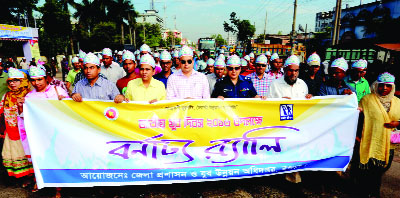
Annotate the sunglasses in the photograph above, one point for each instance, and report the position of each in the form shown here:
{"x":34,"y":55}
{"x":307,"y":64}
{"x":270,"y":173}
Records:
{"x":233,"y":68}
{"x":261,"y":65}
{"x":184,"y":62}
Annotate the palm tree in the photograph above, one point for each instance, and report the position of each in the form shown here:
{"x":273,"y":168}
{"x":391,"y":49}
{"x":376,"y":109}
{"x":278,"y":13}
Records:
{"x":118,"y":11}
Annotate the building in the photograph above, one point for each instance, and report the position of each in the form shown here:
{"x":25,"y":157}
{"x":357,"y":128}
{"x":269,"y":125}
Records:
{"x":354,"y":19}
{"x":232,"y":40}
{"x":150,"y":16}
{"x":177,"y":34}
{"x":324,"y":20}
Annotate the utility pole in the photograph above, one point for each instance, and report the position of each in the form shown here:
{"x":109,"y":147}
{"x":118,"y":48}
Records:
{"x":293,"y":26}
{"x":173,"y":33}
{"x":336,"y":27}
{"x":265,"y":25}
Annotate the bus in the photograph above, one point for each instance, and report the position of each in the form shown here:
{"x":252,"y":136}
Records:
{"x":207,"y":44}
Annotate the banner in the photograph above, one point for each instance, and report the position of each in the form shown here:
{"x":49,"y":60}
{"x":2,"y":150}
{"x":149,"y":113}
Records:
{"x":17,"y":32}
{"x":100,"y":143}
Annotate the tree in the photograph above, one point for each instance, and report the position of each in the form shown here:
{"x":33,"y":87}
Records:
{"x":118,"y":11}
{"x":170,"y":39}
{"x":149,"y":34}
{"x":242,"y":28}
{"x":55,"y":21}
{"x":14,"y":12}
{"x":219,"y":40}
{"x":279,"y":32}
{"x":105,"y":34}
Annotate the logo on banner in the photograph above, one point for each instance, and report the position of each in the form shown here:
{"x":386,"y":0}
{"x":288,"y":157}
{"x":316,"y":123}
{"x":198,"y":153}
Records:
{"x":286,"y":111}
{"x":111,"y":113}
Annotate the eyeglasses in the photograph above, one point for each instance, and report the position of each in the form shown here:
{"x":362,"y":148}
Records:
{"x":260,"y":65}
{"x":13,"y":80}
{"x":165,"y":63}
{"x":188,"y":61}
{"x":233,"y":68}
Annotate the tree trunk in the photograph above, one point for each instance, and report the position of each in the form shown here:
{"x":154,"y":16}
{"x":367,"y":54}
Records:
{"x":122,"y":34}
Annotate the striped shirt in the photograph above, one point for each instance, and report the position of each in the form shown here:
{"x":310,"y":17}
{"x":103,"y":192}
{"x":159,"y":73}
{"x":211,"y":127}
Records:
{"x":102,"y":89}
{"x":180,"y":87}
{"x":260,"y":85}
{"x":272,"y":76}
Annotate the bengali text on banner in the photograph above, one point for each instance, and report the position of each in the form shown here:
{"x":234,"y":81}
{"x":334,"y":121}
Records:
{"x":100,"y":143}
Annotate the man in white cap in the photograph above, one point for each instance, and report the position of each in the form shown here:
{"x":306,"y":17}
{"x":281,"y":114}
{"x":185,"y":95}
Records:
{"x":275,"y":71}
{"x":146,"y":88}
{"x":23,"y":64}
{"x":64,"y":67}
{"x":187,"y":83}
{"x":289,"y":86}
{"x":234,"y":85}
{"x":109,"y":68}
{"x":128,"y":59}
{"x":258,"y":77}
{"x":72,"y":73}
{"x":94,"y":87}
{"x":311,"y":76}
{"x":175,"y":61}
{"x":166,"y":63}
{"x":335,"y":85}
{"x":219,"y":72}
{"x":356,"y":81}
{"x":145,"y":49}
{"x":119,"y":59}
{"x":157,"y":59}
{"x":210,"y":66}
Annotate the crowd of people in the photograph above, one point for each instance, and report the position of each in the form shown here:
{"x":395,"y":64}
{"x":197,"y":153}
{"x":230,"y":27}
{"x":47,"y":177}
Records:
{"x":144,"y":75}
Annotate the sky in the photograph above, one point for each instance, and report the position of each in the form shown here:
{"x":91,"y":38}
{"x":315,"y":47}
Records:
{"x":202,"y":18}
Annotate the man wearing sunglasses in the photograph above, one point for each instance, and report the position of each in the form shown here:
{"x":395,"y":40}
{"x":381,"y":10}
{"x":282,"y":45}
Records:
{"x":234,"y":85}
{"x":187,"y":83}
{"x":289,"y":86}
{"x":166,"y":63}
{"x":356,"y":81}
{"x":258,"y":77}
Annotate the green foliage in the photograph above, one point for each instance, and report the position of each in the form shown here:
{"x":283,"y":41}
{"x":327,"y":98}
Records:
{"x":11,"y":10}
{"x":170,"y":38}
{"x":149,"y":34}
{"x":242,"y":28}
{"x":219,"y":40}
{"x":56,"y":25}
{"x":280,"y":32}
{"x":105,"y":34}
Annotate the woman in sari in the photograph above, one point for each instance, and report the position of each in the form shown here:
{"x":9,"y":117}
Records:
{"x":14,"y":159}
{"x":37,"y":76}
{"x":381,"y":116}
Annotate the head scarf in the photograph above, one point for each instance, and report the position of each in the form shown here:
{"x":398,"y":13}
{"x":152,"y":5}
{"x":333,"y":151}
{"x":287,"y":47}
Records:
{"x":91,"y":58}
{"x":247,"y":57}
{"x":243,"y":62}
{"x":10,"y":99}
{"x":386,"y":78}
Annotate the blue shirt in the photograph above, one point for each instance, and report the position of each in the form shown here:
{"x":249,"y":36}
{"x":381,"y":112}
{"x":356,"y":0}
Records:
{"x":243,"y":89}
{"x":102,"y":89}
{"x":161,"y":77}
{"x":328,"y":89}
